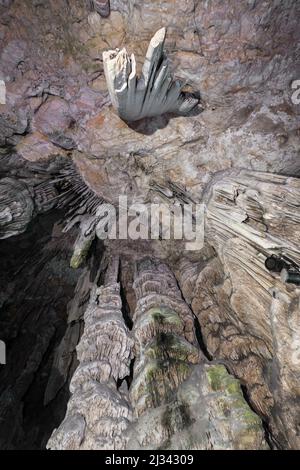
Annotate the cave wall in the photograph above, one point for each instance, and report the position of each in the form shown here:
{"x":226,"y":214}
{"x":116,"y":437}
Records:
{"x":241,"y":57}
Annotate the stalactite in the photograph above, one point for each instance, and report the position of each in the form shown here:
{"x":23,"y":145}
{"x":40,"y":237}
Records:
{"x":179,"y":400}
{"x":21,"y":201}
{"x":98,"y":412}
{"x":16,"y":207}
{"x":251,"y":216}
{"x":164,"y":328}
{"x":83,"y":242}
{"x":154,"y":93}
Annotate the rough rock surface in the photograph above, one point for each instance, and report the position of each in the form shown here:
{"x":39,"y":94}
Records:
{"x":248,"y":316}
{"x":179,"y":401}
{"x":98,"y":412}
{"x":242,"y":59}
{"x":240,"y":155}
{"x":260,"y":217}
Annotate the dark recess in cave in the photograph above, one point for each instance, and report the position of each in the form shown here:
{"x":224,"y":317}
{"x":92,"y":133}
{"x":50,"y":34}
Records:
{"x":33,"y":321}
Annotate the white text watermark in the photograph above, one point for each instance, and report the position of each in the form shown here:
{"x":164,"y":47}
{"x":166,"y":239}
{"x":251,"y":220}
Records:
{"x":152,"y":221}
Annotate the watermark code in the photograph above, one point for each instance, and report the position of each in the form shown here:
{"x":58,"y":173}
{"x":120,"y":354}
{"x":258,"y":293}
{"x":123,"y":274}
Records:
{"x":140,"y":221}
{"x":2,"y":352}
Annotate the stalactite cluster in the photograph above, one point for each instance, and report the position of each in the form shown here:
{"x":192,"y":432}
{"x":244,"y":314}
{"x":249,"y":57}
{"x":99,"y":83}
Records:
{"x":155,"y":93}
{"x":171,"y":378}
{"x":145,"y":342}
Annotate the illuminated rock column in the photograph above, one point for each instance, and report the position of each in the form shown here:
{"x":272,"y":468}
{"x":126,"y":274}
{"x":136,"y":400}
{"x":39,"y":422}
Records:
{"x":98,"y":412}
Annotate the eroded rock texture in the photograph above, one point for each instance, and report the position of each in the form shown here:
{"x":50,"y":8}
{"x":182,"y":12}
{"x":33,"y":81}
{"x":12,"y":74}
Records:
{"x":98,"y":412}
{"x":242,"y":58}
{"x":248,"y":317}
{"x":64,"y":151}
{"x":180,"y":401}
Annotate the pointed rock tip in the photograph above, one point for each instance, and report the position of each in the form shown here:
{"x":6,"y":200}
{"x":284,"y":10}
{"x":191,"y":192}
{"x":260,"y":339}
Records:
{"x":159,"y":37}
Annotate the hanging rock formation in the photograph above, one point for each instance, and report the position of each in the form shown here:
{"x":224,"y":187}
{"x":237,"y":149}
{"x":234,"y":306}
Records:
{"x":179,"y":400}
{"x":64,"y":151}
{"x":248,"y":316}
{"x":154,"y":93}
{"x":19,"y":204}
{"x":98,"y":411}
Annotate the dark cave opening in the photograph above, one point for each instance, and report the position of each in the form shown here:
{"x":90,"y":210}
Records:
{"x":127,"y":315}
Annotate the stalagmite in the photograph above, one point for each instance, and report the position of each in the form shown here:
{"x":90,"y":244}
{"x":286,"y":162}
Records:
{"x":98,"y":412}
{"x":179,"y":400}
{"x":154,"y":93}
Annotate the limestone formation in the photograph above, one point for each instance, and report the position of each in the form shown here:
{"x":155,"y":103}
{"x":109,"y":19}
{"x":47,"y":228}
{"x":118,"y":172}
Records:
{"x":20,"y":202}
{"x":65,"y":359}
{"x":154,"y":93}
{"x":100,"y":6}
{"x":163,"y":327}
{"x":247,"y":314}
{"x":98,"y":412}
{"x":260,"y":208}
{"x":214,"y":353}
{"x":180,"y":401}
{"x":83,"y":242}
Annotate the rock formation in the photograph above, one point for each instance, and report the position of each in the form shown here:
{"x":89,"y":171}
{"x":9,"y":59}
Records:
{"x":180,"y":401}
{"x":16,"y":207}
{"x":251,"y":215}
{"x":98,"y":412}
{"x":154,"y":93}
{"x":165,"y":348}
{"x":100,"y":6}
